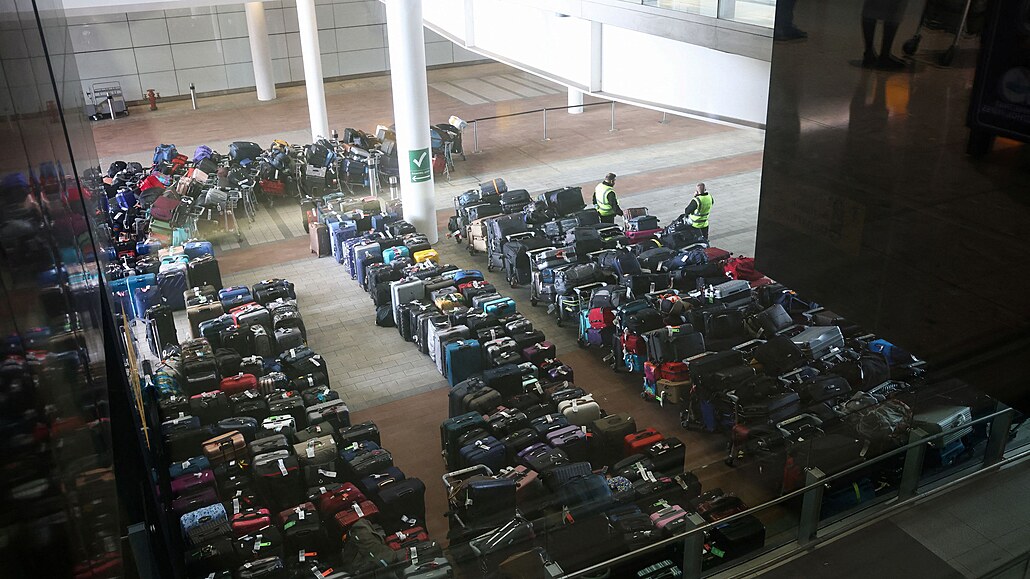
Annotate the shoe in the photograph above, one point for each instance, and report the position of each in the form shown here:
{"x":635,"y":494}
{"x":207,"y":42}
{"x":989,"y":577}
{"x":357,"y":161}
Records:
{"x":869,"y":60}
{"x":888,"y":62}
{"x":798,"y":32}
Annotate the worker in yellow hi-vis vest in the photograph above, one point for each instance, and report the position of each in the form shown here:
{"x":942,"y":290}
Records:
{"x":698,"y":210}
{"x":606,"y":203}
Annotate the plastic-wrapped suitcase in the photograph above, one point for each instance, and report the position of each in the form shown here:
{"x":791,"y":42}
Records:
{"x":818,"y":341}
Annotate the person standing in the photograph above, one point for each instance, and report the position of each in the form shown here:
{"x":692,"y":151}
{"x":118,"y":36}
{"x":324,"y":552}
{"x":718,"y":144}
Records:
{"x":606,"y":202}
{"x":698,"y":209}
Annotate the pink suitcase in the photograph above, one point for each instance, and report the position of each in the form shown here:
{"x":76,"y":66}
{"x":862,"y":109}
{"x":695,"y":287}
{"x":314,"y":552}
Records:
{"x":642,"y":236}
{"x":667,"y":515}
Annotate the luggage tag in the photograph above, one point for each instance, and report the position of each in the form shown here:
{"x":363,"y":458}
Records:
{"x":357,"y":510}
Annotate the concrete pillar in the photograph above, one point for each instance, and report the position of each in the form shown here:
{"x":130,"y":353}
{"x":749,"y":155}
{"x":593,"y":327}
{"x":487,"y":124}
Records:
{"x":312,"y":57}
{"x":575,"y":101}
{"x":411,"y":113}
{"x":260,"y":54}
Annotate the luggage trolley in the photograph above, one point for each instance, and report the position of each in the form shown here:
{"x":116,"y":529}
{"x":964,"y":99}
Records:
{"x":567,"y":307}
{"x":453,"y":482}
{"x":951,"y":16}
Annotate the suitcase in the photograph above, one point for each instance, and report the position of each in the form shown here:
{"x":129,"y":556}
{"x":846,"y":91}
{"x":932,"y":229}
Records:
{"x":818,"y":341}
{"x":160,"y":329}
{"x":667,"y":455}
{"x":488,"y":451}
{"x":638,"y":442}
{"x":580,"y":411}
{"x":462,"y":358}
{"x":204,"y":271}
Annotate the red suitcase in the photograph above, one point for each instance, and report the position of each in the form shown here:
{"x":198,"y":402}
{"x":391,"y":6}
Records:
{"x":634,"y":344}
{"x":601,"y":318}
{"x":238,"y":383}
{"x":642,"y":236}
{"x":638,"y":442}
{"x":250,"y":521}
{"x":357,"y":511}
{"x":674,"y":372}
{"x":402,"y":540}
{"x":717,"y":255}
{"x":337,"y":500}
{"x":285,"y":515}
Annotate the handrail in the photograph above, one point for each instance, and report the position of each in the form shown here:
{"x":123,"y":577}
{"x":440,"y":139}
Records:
{"x":540,"y":110}
{"x":787,"y":497}
{"x":475,"y":122}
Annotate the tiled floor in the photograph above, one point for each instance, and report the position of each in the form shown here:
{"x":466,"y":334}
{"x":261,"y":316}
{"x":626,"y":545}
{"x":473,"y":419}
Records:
{"x":658,"y":163}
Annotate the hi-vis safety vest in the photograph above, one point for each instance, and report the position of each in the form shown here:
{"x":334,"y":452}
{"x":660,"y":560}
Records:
{"x":601,"y":204}
{"x":699,"y":217}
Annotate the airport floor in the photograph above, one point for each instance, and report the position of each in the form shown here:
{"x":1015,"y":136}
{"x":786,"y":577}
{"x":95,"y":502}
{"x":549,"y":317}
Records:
{"x":384,"y":378}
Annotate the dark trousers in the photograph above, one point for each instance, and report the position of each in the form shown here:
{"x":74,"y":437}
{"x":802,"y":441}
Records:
{"x":606,"y":218}
{"x":703,"y":232}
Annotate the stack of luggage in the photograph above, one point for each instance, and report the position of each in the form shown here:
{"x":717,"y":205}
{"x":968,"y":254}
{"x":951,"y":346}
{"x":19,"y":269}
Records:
{"x":264,"y":462}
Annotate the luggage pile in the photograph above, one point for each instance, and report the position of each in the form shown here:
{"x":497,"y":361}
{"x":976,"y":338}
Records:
{"x":264,"y":460}
{"x":528,"y":452}
{"x":159,"y":278}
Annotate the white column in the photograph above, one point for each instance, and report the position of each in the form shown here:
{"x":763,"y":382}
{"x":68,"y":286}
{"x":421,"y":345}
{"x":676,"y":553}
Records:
{"x":411,"y":113}
{"x":260,"y":54}
{"x":576,"y":101}
{"x":312,"y":57}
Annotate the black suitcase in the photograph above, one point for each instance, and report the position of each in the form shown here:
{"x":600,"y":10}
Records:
{"x":779,"y":355}
{"x":668,"y":455}
{"x":160,"y":329}
{"x":564,"y":201}
{"x":738,"y":537}
{"x":204,"y":271}
{"x":609,"y":432}
{"x":514,"y":201}
{"x":402,"y":505}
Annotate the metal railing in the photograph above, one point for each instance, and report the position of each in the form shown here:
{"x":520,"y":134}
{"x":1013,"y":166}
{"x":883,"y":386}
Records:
{"x":475,"y":122}
{"x":810,"y":523}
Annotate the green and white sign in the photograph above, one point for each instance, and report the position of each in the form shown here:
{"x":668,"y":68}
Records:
{"x":421,"y":165}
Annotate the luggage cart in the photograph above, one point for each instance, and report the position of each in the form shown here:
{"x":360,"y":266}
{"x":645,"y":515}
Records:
{"x":568,"y":307}
{"x":951,"y":16}
{"x":452,"y":482}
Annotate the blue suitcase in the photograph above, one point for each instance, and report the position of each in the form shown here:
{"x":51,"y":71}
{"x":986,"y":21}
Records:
{"x":468,"y":275}
{"x":134,"y":282}
{"x":373,"y":483}
{"x":487,"y":451}
{"x":500,"y":307}
{"x":143,"y":298}
{"x":148,"y":247}
{"x":234,"y":296}
{"x":348,"y":254}
{"x":172,"y":285}
{"x":379,"y":222}
{"x":198,"y":247}
{"x":364,"y":256}
{"x":452,"y":429}
{"x":339,"y":233}
{"x":463,"y":359}
{"x":393,"y":253}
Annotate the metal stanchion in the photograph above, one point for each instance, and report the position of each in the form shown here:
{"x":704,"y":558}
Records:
{"x":475,"y":137}
{"x":811,"y":505}
{"x":545,"y":123}
{"x":665,"y":119}
{"x":110,"y":105}
{"x":613,"y":129}
{"x":193,"y":96}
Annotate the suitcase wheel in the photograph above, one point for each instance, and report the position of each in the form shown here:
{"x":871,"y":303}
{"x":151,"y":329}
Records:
{"x":489,"y":267}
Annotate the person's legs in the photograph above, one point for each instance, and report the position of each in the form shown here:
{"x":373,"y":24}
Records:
{"x":868,"y":33}
{"x":704,"y":233}
{"x":886,"y":61}
{"x":606,"y":218}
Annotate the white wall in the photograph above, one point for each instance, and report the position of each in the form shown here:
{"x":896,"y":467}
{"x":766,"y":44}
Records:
{"x":168,"y":49}
{"x":538,"y":39}
{"x":659,"y":70}
{"x":618,"y":63}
